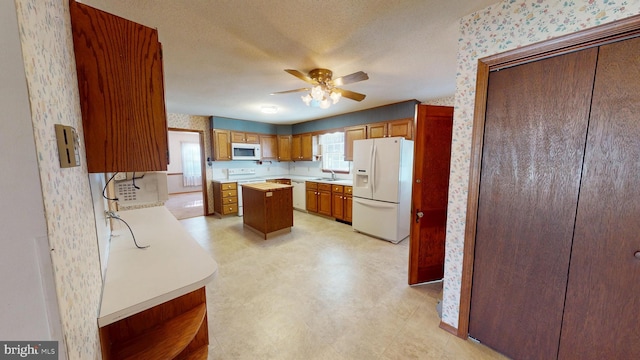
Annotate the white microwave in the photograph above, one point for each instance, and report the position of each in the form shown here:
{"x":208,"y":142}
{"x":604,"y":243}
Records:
{"x":240,"y":151}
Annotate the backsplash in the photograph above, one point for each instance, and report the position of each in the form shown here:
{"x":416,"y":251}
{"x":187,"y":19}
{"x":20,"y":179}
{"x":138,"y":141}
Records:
{"x":498,"y":28}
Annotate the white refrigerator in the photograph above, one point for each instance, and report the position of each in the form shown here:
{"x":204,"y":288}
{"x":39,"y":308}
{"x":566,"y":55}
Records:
{"x":382,"y":178}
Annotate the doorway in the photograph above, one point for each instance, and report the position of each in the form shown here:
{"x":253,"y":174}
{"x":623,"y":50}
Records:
{"x":186,"y":179}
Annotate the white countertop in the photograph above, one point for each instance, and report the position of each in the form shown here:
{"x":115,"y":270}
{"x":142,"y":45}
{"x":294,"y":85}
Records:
{"x":339,"y":181}
{"x":139,"y":279}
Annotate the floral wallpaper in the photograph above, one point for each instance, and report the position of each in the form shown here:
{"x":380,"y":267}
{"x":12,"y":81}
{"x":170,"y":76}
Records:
{"x":201,"y":123}
{"x":498,"y":28}
{"x":47,"y":47}
{"x":445,"y":101}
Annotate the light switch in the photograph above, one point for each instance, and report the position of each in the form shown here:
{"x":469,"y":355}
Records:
{"x":67,"y":139}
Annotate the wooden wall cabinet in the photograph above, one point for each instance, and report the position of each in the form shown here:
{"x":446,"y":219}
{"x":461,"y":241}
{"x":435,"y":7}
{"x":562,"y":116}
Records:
{"x":221,"y":144}
{"x":225,"y":198}
{"x":350,"y":135}
{"x":269,"y":146}
{"x":402,"y":127}
{"x":121,"y":89}
{"x":302,"y":147}
{"x":284,"y":147}
{"x":245,"y":137}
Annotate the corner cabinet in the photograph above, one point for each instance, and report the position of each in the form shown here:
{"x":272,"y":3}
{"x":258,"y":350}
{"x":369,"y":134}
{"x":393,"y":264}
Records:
{"x":121,"y":88}
{"x":284,"y":147}
{"x":269,"y":147}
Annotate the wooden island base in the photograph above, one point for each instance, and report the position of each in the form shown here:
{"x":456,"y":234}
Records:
{"x":268,"y":208}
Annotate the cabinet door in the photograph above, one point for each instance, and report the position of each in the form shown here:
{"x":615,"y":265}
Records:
{"x":284,"y":147}
{"x":324,"y":202}
{"x":269,"y":145}
{"x":378,"y":130}
{"x":238,"y":137}
{"x":252,"y":138}
{"x":221,"y":145}
{"x":312,"y":200}
{"x":603,"y":291}
{"x":348,"y":208}
{"x":337,"y":210}
{"x":306,"y":147}
{"x":350,"y":135}
{"x":296,"y":147}
{"x":534,"y":140}
{"x":121,"y":90}
{"x":402,"y":128}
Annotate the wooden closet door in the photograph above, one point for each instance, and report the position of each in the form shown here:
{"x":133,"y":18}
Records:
{"x":535,"y":133}
{"x":602,"y":312}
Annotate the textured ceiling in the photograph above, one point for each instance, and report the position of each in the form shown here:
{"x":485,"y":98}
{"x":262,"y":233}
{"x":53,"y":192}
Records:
{"x":225,"y":57}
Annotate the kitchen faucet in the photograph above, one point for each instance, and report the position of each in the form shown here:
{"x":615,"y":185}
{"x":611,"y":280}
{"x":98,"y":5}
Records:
{"x":333,"y":175}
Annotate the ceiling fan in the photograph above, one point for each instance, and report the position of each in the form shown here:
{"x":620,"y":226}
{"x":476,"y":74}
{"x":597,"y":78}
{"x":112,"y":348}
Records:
{"x":324,"y":87}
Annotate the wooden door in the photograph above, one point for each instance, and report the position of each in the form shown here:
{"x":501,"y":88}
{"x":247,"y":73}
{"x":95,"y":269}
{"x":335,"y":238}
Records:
{"x":603,"y":292}
{"x":324,"y":202}
{"x":432,"y":155}
{"x":534,"y":138}
{"x":312,"y":200}
{"x":338,"y":206}
{"x":238,"y":137}
{"x":296,"y":147}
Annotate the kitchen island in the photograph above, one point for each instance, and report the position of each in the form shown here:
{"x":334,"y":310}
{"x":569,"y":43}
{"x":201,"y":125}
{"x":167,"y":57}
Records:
{"x":268,"y":208}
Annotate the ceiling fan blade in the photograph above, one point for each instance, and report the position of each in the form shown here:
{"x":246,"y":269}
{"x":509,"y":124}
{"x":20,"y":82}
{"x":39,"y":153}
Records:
{"x":350,"y":94}
{"x":301,"y":76}
{"x":290,"y":91}
{"x":351,"y":78}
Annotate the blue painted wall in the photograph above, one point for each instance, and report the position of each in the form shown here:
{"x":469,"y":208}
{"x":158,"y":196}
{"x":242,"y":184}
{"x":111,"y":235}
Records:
{"x":401,"y":110}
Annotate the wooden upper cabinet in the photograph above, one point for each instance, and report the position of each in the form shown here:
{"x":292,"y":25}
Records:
{"x":269,"y":147}
{"x":245,"y":137}
{"x":377,"y":130}
{"x":284,"y":147}
{"x":350,"y":135}
{"x":221,"y":144}
{"x":121,"y":88}
{"x":402,"y":127}
{"x":302,"y":147}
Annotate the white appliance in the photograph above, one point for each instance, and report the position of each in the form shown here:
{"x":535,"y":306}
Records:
{"x":382,"y":178}
{"x":243,"y":176}
{"x":299,"y":195}
{"x":240,"y":151}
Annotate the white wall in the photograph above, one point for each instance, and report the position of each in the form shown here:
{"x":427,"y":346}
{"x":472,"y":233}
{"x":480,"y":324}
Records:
{"x":25,"y":262}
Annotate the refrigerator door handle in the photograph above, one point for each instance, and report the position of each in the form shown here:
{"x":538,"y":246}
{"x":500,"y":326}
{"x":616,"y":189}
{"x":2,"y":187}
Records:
{"x":373,"y":168}
{"x":374,"y":204}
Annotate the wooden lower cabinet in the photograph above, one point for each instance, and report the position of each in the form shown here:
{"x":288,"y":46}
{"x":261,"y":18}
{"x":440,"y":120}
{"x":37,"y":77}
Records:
{"x":225,"y":198}
{"x":176,"y":329}
{"x":268,"y":208}
{"x":319,"y":198}
{"x":342,"y":202}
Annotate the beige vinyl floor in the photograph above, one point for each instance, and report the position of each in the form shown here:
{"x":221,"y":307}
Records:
{"x":185,"y":205}
{"x":322,"y":291}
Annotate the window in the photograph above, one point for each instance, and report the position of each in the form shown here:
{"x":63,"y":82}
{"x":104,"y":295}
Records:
{"x":332,"y":146}
{"x":191,"y":169}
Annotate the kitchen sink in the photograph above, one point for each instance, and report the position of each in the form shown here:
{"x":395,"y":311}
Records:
{"x":327,"y":179}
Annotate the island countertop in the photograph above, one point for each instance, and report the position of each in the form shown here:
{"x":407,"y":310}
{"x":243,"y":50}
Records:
{"x":138,"y":279}
{"x":267,"y":186}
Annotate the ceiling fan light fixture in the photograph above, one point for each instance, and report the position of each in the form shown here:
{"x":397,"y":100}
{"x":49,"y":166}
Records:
{"x":335,"y":96}
{"x":324,"y":104}
{"x":307,"y":99}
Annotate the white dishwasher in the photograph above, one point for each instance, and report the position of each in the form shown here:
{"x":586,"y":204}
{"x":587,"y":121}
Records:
{"x":299,"y":195}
